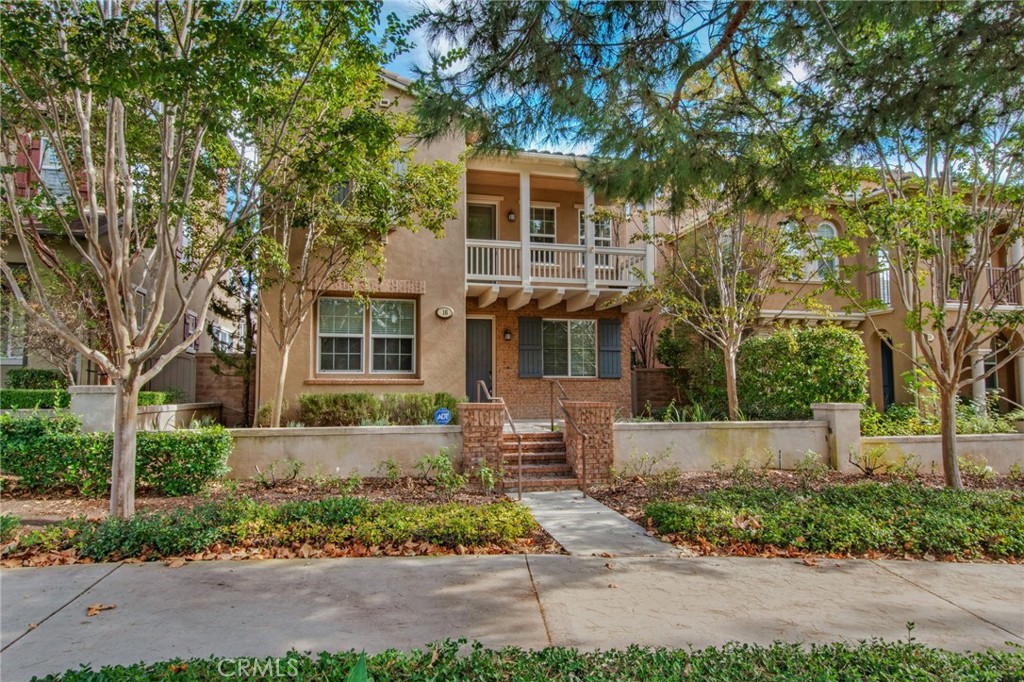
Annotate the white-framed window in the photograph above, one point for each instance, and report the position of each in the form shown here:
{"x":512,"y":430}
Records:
{"x":51,"y":172}
{"x":393,"y":336}
{"x":221,"y":338}
{"x":569,"y":348}
{"x":191,"y":324}
{"x":826,"y":264}
{"x":341,"y":331}
{"x":602,"y":236}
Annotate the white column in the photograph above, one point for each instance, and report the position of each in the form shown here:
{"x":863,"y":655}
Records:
{"x":589,"y":257}
{"x":524,"y":225}
{"x":978,"y":377}
{"x":650,"y":255}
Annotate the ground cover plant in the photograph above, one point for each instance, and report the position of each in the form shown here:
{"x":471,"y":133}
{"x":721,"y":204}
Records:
{"x":864,"y":518}
{"x":449,"y":660}
{"x":243,"y":527}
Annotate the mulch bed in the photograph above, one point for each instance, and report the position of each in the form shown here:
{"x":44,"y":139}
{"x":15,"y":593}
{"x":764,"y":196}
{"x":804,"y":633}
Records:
{"x":630,"y":498}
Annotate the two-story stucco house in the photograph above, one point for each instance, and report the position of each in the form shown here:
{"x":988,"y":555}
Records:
{"x":527,"y":284}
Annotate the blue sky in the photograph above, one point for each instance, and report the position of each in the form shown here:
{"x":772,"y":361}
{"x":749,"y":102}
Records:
{"x":419,"y":54}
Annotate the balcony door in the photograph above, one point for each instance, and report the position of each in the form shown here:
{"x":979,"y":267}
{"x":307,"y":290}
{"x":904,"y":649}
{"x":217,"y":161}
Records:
{"x":481,"y":223}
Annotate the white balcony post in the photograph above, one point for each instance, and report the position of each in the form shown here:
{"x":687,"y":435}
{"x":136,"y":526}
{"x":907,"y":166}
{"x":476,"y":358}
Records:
{"x":524,"y":255}
{"x":649,"y":253}
{"x":589,"y":257}
{"x":978,"y":378}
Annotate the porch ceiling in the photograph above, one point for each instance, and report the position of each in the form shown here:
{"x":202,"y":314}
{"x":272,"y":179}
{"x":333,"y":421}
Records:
{"x":576,"y":298}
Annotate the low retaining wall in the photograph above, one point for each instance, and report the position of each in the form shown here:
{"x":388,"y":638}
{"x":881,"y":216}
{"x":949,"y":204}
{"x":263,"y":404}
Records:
{"x":170,"y":417}
{"x":697,"y":446}
{"x":340,"y":450}
{"x":1000,"y":450}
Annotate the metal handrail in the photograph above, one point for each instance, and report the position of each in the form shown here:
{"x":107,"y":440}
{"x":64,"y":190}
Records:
{"x":481,"y":384}
{"x":571,"y":420}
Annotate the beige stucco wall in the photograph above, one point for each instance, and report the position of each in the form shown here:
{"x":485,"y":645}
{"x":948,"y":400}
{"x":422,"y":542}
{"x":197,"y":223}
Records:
{"x":698,"y":446}
{"x":170,"y":417}
{"x":418,"y":266}
{"x":999,"y":450}
{"x":340,"y":451}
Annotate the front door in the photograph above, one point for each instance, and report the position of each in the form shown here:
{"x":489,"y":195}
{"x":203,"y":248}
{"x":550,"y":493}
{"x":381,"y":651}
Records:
{"x":479,"y":342}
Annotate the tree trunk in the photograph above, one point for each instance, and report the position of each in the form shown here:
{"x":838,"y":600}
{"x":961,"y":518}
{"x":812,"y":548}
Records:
{"x":126,"y":426}
{"x":947,"y":415}
{"x":730,"y":384}
{"x":275,"y":415}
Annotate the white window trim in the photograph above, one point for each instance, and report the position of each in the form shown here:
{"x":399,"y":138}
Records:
{"x":8,"y":321}
{"x":59,"y":193}
{"x":818,"y":260}
{"x":371,"y":336}
{"x":193,"y":347}
{"x":570,"y":375}
{"x":554,"y":224}
{"x":603,"y":261}
{"x":484,"y":200}
{"x":362,"y":338}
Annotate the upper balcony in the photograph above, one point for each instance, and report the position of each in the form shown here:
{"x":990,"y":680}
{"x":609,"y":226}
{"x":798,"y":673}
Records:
{"x":1003,"y":288}
{"x":534,"y":233}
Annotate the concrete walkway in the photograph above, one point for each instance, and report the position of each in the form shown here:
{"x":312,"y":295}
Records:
{"x":585,"y":527}
{"x":264,"y":608}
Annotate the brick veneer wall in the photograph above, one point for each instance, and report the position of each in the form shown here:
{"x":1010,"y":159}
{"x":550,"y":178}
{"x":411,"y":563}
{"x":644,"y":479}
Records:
{"x":530,"y":398}
{"x":655,"y":386}
{"x":226,"y":390}
{"x":482,"y":426}
{"x":597,"y":420}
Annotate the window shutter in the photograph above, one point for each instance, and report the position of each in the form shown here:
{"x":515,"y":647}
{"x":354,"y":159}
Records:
{"x":531,"y":351}
{"x":609,"y":349}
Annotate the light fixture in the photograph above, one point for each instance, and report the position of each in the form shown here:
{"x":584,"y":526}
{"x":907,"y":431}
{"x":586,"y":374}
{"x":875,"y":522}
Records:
{"x":507,"y":334}
{"x":511,"y":216}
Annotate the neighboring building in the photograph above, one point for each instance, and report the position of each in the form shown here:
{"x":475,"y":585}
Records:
{"x":521,"y":289}
{"x":178,"y":375}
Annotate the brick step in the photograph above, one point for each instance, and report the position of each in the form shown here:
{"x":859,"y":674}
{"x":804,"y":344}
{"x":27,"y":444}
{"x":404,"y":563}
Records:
{"x":535,"y":437}
{"x":533,"y":469}
{"x":510,"y":458}
{"x":547,"y":446}
{"x":544,"y":483}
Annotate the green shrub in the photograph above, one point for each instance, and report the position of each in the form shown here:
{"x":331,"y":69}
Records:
{"x":362,"y":409}
{"x":23,"y":377}
{"x":905,"y":420}
{"x":243,"y":520}
{"x":147,"y":398}
{"x":450,"y":661}
{"x":779,"y":375}
{"x":33,"y":398}
{"x":49,"y":454}
{"x":440,"y":470}
{"x":893,"y":519}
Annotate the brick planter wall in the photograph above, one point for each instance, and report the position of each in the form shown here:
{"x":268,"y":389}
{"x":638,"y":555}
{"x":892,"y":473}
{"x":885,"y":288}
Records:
{"x":482,"y":425}
{"x":653,"y":385}
{"x":597,"y":420}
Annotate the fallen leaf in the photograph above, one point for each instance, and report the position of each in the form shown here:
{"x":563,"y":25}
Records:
{"x":33,"y":626}
{"x":94,"y":609}
{"x":613,"y":586}
{"x":810,"y":561}
{"x":176,"y":562}
{"x":609,"y":567}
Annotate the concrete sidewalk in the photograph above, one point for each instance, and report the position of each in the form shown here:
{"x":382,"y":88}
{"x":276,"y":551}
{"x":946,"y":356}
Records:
{"x":263,"y":608}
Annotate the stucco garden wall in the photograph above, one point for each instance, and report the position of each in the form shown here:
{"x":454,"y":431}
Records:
{"x":342,"y":450}
{"x":698,"y":446}
{"x":999,"y":450}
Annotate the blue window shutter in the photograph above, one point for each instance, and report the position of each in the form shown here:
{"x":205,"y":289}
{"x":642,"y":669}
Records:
{"x":531,"y":351}
{"x":609,"y":349}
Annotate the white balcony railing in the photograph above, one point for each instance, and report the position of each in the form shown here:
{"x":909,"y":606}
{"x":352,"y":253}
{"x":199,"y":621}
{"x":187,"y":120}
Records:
{"x":880,"y":286}
{"x":492,"y":261}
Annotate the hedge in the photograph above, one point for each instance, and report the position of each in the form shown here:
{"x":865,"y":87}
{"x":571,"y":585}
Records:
{"x":367,"y":409}
{"x":454,"y":661}
{"x":243,"y":521}
{"x":157,"y":398}
{"x":50,"y":453}
{"x":779,"y":376}
{"x":867,"y":517}
{"x":23,"y":377}
{"x":33,"y":398}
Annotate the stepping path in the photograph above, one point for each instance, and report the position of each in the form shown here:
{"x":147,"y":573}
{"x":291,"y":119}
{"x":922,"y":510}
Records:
{"x":585,"y":527}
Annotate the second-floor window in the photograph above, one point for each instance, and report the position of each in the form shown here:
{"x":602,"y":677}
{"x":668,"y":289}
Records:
{"x":191,"y":324}
{"x":51,"y":173}
{"x":12,"y":331}
{"x":827,"y":264}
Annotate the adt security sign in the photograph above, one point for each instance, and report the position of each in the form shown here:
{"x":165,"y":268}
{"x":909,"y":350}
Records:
{"x":442,"y":416}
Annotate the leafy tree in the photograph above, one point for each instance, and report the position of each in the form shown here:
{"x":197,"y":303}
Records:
{"x":238,"y":301}
{"x":171,"y":122}
{"x":927,"y":99}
